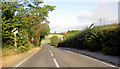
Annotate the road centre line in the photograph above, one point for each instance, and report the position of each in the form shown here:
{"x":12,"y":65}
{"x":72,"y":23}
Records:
{"x":51,"y":54}
{"x":56,"y":63}
{"x":49,"y":50}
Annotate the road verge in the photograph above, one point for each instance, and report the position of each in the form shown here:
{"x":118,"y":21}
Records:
{"x":13,"y":60}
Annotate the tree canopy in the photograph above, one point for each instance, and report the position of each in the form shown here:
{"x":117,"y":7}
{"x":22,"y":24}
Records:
{"x":29,"y":18}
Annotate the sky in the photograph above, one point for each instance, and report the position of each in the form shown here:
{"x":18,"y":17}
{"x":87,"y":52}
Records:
{"x":80,"y":14}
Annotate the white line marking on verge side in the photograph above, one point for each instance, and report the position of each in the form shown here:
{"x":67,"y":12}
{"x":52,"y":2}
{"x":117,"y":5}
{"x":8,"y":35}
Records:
{"x":70,"y":51}
{"x":51,"y":54}
{"x":25,"y":60}
{"x":56,"y":63}
{"x":96,"y":60}
{"x":99,"y":61}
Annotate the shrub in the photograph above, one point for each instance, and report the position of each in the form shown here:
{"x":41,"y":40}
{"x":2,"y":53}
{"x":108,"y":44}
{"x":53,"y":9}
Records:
{"x":105,"y":39}
{"x":22,"y":49}
{"x":54,"y":40}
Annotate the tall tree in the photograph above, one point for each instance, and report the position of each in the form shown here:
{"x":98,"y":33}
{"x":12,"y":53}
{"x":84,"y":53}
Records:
{"x":28,"y":17}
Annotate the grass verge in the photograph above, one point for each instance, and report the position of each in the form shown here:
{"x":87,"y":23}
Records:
{"x":9,"y":56}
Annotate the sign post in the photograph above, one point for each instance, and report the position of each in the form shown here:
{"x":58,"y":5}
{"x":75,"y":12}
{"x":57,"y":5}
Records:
{"x":15,"y":32}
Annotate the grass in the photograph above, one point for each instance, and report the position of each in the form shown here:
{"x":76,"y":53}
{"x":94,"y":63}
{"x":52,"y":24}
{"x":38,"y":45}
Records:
{"x":8,"y":52}
{"x":10,"y":56}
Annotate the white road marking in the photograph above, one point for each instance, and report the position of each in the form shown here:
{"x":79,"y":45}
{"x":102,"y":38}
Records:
{"x":25,"y":60}
{"x":70,"y":51}
{"x":56,"y":63}
{"x":49,"y":50}
{"x":96,"y":60}
{"x":99,"y":61}
{"x":51,"y":54}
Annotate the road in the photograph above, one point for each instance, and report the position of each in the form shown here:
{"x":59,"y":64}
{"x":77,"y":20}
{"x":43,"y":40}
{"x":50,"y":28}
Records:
{"x":50,"y":56}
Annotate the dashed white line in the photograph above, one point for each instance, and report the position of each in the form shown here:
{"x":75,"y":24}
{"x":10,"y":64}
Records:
{"x":49,"y":50}
{"x":25,"y":60}
{"x":56,"y":63}
{"x":51,"y":54}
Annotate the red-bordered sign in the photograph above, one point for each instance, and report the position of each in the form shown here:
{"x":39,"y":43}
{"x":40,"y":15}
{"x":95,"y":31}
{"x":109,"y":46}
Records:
{"x":32,"y":39}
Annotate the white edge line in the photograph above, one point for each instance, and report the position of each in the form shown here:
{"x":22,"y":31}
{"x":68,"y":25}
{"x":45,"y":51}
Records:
{"x":56,"y":63}
{"x":96,"y":60}
{"x":99,"y":61}
{"x":70,"y":51}
{"x":25,"y":60}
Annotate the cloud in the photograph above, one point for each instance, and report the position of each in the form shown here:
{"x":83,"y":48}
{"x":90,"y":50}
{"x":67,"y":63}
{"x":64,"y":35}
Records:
{"x":80,"y":0}
{"x":61,"y":21}
{"x":107,"y":11}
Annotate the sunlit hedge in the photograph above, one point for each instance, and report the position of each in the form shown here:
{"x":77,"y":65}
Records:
{"x":105,"y":39}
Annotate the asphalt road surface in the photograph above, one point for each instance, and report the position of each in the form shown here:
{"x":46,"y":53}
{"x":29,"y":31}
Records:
{"x":50,"y":56}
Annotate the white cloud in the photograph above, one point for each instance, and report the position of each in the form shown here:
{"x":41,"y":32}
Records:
{"x":107,"y":11}
{"x":80,"y":0}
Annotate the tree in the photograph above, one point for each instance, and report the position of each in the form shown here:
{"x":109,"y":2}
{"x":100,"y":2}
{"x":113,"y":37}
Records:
{"x":30,"y":22}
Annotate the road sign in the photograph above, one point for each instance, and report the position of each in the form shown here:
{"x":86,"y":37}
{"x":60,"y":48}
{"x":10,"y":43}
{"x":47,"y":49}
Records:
{"x":15,"y":32}
{"x":13,"y":29}
{"x":32,"y":39}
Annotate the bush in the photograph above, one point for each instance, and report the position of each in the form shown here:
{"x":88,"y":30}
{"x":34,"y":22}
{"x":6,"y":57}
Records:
{"x":22,"y":49}
{"x":54,"y":40}
{"x":104,"y":39}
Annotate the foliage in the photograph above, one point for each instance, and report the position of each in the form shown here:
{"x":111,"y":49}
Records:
{"x":22,"y":49}
{"x":30,"y":22}
{"x":100,"y":38}
{"x":73,"y":31}
{"x":54,"y":40}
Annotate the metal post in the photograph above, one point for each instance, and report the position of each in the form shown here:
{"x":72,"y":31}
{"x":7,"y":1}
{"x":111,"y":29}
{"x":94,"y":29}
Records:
{"x":32,"y":42}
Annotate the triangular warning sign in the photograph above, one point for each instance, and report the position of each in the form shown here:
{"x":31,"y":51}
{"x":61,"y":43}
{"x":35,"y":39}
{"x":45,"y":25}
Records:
{"x":32,"y":39}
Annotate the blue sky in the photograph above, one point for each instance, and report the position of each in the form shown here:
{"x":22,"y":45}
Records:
{"x":80,"y":14}
{"x":66,"y":15}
